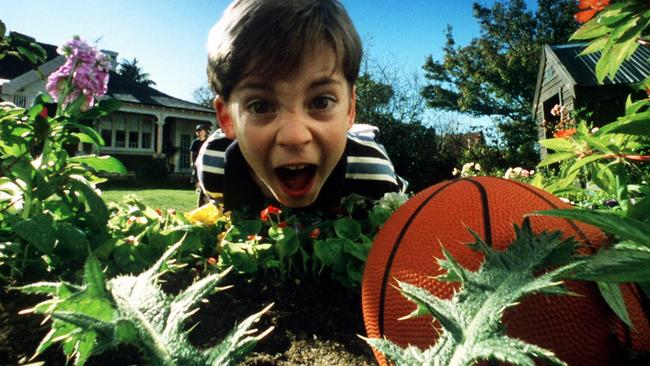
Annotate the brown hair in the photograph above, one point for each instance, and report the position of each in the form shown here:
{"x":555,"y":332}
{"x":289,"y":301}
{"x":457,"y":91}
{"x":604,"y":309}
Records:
{"x":272,"y":38}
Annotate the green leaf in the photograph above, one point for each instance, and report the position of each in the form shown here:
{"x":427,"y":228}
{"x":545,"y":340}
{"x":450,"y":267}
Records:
{"x":559,"y":144}
{"x":96,"y":205}
{"x":106,"y":164}
{"x":347,"y":228}
{"x":638,"y":125}
{"x":90,"y":133}
{"x":94,"y":278}
{"x":555,"y":158}
{"x":358,"y":250}
{"x":612,"y":295}
{"x":591,"y":29}
{"x":615,"y":265}
{"x":595,"y":46}
{"x":249,"y":227}
{"x":328,"y":252}
{"x":287,"y":243}
{"x":38,"y":232}
{"x":580,"y":162}
{"x":624,"y":228}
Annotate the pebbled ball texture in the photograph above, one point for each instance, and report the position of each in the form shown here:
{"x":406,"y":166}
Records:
{"x":581,"y":330}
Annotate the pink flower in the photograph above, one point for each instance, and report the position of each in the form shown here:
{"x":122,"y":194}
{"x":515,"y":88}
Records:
{"x":83,"y":75}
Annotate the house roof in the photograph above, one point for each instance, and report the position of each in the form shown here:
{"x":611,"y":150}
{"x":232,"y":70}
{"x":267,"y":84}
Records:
{"x":119,"y":87}
{"x":583,"y":68}
{"x":127,"y":90}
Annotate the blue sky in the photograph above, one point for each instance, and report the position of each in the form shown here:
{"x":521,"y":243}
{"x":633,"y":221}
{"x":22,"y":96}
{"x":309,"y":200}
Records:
{"x":168,"y":37}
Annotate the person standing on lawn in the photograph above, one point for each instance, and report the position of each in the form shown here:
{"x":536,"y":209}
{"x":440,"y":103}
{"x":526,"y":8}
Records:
{"x":201,"y":135}
{"x":283,"y":73}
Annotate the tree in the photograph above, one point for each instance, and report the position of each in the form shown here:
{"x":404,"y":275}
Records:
{"x":416,"y":150}
{"x":204,"y":96}
{"x":133,"y":71}
{"x":495,"y":73}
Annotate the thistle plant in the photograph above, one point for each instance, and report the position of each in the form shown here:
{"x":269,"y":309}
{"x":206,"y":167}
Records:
{"x":100,"y":315}
{"x":471,"y":319}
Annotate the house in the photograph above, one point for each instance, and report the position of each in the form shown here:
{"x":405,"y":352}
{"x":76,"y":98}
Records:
{"x":150,"y":127}
{"x":565,"y":78}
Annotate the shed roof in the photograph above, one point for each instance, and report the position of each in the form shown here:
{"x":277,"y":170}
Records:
{"x":583,"y":68}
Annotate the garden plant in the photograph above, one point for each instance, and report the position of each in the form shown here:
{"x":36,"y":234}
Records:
{"x":114,"y":274}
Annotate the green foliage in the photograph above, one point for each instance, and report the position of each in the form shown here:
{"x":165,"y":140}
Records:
{"x":132,"y":71}
{"x":471,"y":319}
{"x":20,"y":46}
{"x":291,"y":245}
{"x":42,"y":184}
{"x":495,"y":73}
{"x":609,"y":161}
{"x":615,"y":32}
{"x":99,"y":315}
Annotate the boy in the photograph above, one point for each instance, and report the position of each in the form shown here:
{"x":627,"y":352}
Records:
{"x":284,"y":73}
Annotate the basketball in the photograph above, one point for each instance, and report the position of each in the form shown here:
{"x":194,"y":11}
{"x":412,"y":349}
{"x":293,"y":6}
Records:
{"x":580,"y":330}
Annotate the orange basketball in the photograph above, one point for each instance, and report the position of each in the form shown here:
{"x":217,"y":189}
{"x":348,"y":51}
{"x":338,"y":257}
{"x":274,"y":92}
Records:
{"x":581,"y":330}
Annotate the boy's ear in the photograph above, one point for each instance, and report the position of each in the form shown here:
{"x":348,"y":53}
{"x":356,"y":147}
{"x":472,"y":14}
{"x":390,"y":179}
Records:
{"x":352,"y":111}
{"x":224,"y":117}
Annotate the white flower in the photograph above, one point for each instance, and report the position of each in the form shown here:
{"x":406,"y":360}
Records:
{"x":477,"y":167}
{"x":455,"y":172}
{"x":508,"y":174}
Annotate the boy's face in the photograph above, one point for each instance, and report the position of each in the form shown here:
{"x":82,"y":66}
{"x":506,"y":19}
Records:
{"x":291,"y":131}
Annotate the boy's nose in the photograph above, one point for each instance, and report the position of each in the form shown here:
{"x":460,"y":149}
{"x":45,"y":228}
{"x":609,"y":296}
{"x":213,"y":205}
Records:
{"x":294,"y":132}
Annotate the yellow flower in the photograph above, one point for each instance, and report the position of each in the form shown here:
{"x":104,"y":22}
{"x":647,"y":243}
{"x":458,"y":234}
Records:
{"x":207,"y":214}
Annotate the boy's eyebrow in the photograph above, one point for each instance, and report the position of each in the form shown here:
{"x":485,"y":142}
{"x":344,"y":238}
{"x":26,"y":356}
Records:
{"x":326,"y":80}
{"x":264,"y":86}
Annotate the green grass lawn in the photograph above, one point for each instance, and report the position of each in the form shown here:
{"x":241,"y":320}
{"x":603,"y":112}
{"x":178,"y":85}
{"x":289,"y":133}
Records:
{"x":183,"y":200}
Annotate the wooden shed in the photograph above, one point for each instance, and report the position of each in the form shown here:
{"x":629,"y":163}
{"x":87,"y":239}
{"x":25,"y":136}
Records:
{"x":568,"y":79}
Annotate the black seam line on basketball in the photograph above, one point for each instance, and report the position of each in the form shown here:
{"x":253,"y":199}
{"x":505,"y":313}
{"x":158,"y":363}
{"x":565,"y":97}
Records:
{"x":487,"y":223}
{"x":393,"y":252}
{"x":584,"y":237}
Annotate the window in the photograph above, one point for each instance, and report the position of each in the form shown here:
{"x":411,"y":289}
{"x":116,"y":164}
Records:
{"x":147,"y":127}
{"x":133,"y":138}
{"x":127,"y":131}
{"x":184,"y":160}
{"x":20,"y":101}
{"x":106,"y":131}
{"x":119,"y":126}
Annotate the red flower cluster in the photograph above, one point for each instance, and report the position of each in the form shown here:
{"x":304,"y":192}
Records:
{"x":565,"y":133}
{"x":271,"y":210}
{"x":589,"y":8}
{"x":314,"y":234}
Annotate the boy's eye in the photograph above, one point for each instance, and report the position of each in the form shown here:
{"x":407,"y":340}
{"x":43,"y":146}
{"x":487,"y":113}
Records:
{"x":323,"y":102}
{"x":259,"y":107}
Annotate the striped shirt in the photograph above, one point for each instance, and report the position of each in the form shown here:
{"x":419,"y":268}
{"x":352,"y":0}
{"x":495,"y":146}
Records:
{"x":364,"y":169}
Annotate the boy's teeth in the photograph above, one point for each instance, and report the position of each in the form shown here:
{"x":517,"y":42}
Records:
{"x":295,"y":167}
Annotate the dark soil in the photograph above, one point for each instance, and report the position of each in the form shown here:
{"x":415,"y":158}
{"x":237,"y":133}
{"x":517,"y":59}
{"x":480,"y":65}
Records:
{"x":315,"y":322}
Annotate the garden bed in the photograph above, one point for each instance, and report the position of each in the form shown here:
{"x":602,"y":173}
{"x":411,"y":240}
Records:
{"x":316,"y":323}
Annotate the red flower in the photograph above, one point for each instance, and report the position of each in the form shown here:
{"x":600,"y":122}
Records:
{"x":44,"y":113}
{"x":314,"y":234}
{"x":589,"y":8}
{"x":270,"y":210}
{"x":212,"y":261}
{"x":565,"y":133}
{"x":283,"y":224}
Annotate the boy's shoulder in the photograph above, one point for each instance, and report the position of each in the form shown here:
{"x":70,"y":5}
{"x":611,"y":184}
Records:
{"x":369,"y":167}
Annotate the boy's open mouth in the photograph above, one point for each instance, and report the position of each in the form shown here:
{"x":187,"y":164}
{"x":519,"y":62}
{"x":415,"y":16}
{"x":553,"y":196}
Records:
{"x":296,"y":179}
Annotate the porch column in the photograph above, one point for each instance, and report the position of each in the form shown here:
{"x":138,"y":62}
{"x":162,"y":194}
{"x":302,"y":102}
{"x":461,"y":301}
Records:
{"x":159,"y":139}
